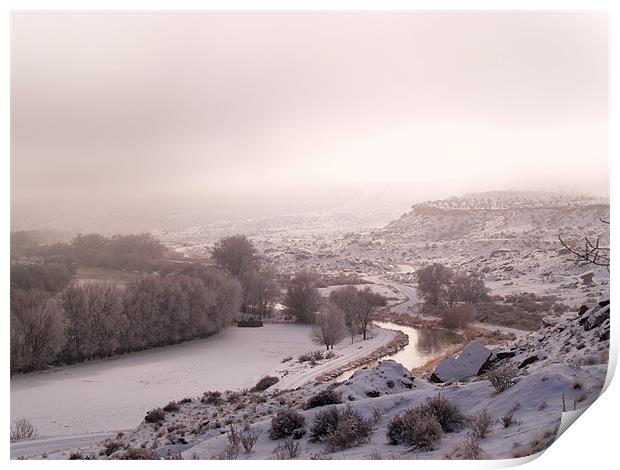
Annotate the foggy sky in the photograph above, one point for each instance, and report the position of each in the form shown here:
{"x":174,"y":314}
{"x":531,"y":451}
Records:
{"x":122,"y":113}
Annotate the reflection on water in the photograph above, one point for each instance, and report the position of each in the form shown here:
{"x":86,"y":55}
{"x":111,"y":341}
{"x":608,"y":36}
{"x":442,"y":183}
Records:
{"x":425,"y":344}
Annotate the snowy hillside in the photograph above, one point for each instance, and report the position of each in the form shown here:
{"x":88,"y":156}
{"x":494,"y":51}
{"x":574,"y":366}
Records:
{"x":510,"y":408}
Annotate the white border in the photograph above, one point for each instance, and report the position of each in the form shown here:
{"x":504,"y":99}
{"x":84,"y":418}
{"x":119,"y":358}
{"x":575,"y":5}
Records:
{"x":591,"y":443}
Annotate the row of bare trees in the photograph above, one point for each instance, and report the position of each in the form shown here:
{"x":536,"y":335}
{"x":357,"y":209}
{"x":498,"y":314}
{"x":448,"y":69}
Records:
{"x":100,"y":319}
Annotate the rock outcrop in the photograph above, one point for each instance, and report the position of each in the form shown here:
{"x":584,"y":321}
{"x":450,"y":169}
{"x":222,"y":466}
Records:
{"x":471,"y":361}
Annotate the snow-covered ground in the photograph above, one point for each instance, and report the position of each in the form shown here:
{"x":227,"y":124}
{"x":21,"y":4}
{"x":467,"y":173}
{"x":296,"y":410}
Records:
{"x":114,"y":394}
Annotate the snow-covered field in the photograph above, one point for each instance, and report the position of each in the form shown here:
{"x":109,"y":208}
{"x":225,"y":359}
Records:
{"x":113,"y":394}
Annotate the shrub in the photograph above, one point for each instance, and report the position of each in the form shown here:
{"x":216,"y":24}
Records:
{"x":21,"y":429}
{"x":502,"y":377}
{"x":232,"y":397}
{"x":234,"y":438}
{"x":139,"y":453}
{"x":304,"y":357}
{"x":155,"y":415}
{"x":481,"y":423}
{"x":185,"y":400}
{"x":171,"y":406}
{"x":447,"y":414}
{"x":212,"y":398}
{"x":325,"y":421}
{"x":287,"y":450}
{"x":264,"y":383}
{"x":231,"y":452}
{"x":324,"y":397}
{"x":507,"y":420}
{"x":340,"y":429}
{"x":416,"y":427}
{"x":317,"y":355}
{"x":77,"y":455}
{"x":351,"y":430}
{"x":457,"y":317}
{"x":110,"y":446}
{"x":330,"y":354}
{"x":248,"y":439}
{"x":285,"y":422}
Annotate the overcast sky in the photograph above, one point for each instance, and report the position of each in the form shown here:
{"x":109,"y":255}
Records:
{"x":233,"y":111}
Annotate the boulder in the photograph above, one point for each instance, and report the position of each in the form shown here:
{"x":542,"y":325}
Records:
{"x":586,"y":315}
{"x":530,"y":358}
{"x":586,"y":278}
{"x":548,"y":320}
{"x":596,"y":318}
{"x":605,"y":330}
{"x":471,"y":361}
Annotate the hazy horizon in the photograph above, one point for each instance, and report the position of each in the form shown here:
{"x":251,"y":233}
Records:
{"x":125,"y":120}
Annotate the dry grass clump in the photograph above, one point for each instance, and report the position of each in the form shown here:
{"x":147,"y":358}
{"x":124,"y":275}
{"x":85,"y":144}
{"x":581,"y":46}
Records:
{"x":21,"y":429}
{"x":470,"y":447}
{"x":538,"y":444}
{"x":287,"y":450}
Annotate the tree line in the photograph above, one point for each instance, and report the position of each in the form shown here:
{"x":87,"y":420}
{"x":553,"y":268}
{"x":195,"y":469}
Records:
{"x":140,"y":252}
{"x":99,"y":319}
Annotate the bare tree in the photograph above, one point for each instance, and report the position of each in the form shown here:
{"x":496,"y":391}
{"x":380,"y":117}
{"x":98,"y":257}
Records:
{"x":359,"y":307}
{"x":329,"y":326}
{"x":302,"y":298}
{"x":471,"y":287}
{"x":37,"y":329}
{"x":370,"y":302}
{"x":236,"y":255}
{"x":432,"y":281}
{"x":592,"y":252}
{"x":261,"y":290}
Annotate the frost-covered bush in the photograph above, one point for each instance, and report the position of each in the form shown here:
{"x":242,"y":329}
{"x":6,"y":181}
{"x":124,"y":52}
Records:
{"x":351,"y":430}
{"x":285,"y":423}
{"x":481,"y":423}
{"x":264,"y":383}
{"x":171,"y":406}
{"x":155,"y":415}
{"x":139,"y":453}
{"x":447,"y":414}
{"x":415,"y":427}
{"x":212,"y":398}
{"x":22,"y":429}
{"x":325,"y":421}
{"x":324,"y":397}
{"x":340,"y":429}
{"x":502,"y":377}
{"x":287,"y":450}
